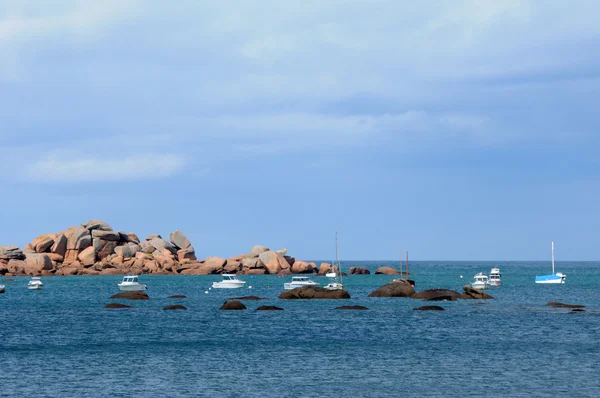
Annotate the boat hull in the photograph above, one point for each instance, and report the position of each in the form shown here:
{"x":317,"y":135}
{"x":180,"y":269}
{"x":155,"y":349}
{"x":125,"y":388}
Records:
{"x":132,"y":288}
{"x":554,"y":279}
{"x":480,"y":286}
{"x":35,"y":287}
{"x":228,"y":285}
{"x":2,"y":289}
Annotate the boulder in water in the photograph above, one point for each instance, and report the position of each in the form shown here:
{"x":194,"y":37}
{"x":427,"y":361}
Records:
{"x":179,"y":296}
{"x":269,"y":308}
{"x":437,"y":295}
{"x":131,"y":296}
{"x":175,"y":307}
{"x":233,"y":305}
{"x":117,"y":305}
{"x":351,"y":307}
{"x":247,"y":298}
{"x":472,"y":293}
{"x":396,"y":288}
{"x":386,"y":271}
{"x":429,"y":308}
{"x":313,"y":292}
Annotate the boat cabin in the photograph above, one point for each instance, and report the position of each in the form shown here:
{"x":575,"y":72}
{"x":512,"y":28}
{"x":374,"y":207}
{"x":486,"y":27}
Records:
{"x":130,"y":279}
{"x":229,"y":277}
{"x":481,"y":278}
{"x":300,"y":279}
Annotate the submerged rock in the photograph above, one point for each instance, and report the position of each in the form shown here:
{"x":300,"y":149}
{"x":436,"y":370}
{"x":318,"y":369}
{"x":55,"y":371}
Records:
{"x":117,"y":305}
{"x":351,"y":307}
{"x":175,"y":307}
{"x":178,"y":296}
{"x":233,"y":305}
{"x":313,"y":292}
{"x":577,"y":310}
{"x":247,"y":298}
{"x":429,"y":308}
{"x":131,"y":296}
{"x":556,"y":304}
{"x":358,"y":271}
{"x":269,"y":308}
{"x":437,"y":295}
{"x":396,"y":288}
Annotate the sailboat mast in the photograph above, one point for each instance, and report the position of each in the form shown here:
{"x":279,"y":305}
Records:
{"x":553,"y":257}
{"x":337,"y":257}
{"x":407,"y":264}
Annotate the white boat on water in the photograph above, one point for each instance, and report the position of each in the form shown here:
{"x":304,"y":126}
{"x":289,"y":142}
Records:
{"x":230,"y":281}
{"x":337,"y":274}
{"x":2,"y":289}
{"x":554,"y":278}
{"x":35,"y":283}
{"x":495,"y":277}
{"x":130,"y":284}
{"x":331,"y":274}
{"x":299,"y":281}
{"x":481,"y":282}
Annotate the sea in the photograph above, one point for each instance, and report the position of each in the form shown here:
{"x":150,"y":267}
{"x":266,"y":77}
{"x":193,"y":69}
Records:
{"x":62,"y":342}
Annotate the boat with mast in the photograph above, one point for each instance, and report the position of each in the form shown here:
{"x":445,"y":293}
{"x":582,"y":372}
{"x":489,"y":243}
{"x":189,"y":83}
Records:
{"x":554,"y":278}
{"x":337,"y":284}
{"x":406,"y":274}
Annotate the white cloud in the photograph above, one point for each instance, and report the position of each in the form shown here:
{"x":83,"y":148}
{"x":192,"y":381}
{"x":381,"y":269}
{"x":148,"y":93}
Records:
{"x":69,"y":168}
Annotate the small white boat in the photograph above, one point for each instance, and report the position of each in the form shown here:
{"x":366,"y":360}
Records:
{"x":335,"y":286}
{"x":554,"y":278}
{"x":331,"y":274}
{"x":230,"y":281}
{"x":495,"y":277}
{"x":2,"y":289}
{"x":130,"y":284}
{"x":481,"y":282}
{"x":35,"y":283}
{"x":299,"y":281}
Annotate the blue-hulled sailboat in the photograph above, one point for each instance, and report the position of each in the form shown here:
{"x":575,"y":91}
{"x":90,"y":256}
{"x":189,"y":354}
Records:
{"x":554,"y":278}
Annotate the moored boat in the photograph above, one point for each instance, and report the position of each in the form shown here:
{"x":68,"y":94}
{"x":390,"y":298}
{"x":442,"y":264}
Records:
{"x":35,"y":283}
{"x":495,"y":277}
{"x":299,"y":281}
{"x":481,"y":282}
{"x":2,"y":289}
{"x":554,"y":278}
{"x":130,"y":284}
{"x":230,"y":281}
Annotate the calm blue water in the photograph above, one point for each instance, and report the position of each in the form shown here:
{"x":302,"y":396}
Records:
{"x":62,"y":342}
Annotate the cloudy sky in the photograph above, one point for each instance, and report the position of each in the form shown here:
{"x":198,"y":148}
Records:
{"x":463,"y":130}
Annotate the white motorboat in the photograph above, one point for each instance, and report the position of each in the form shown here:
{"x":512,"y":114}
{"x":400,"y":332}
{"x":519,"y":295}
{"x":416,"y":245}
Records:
{"x":337,"y":273}
{"x":130,"y":284}
{"x":331,"y":274}
{"x":2,"y":289}
{"x":481,"y":282}
{"x":495,"y":277}
{"x":230,"y":281}
{"x":35,"y":283}
{"x":299,"y":281}
{"x":554,"y":278}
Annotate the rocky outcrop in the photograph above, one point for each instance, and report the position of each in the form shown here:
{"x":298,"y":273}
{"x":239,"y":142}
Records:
{"x":437,"y":295}
{"x":175,"y":307}
{"x":313,"y":292}
{"x":429,"y":308}
{"x":178,"y":296}
{"x":233,"y":305}
{"x":351,"y":307}
{"x":358,"y":271}
{"x":269,"y":308}
{"x":386,"y":271}
{"x":472,"y":293}
{"x":131,"y":296}
{"x":396,"y":288}
{"x":95,"y":248}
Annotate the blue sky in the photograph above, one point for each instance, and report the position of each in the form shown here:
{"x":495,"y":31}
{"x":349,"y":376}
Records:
{"x":463,"y":130}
